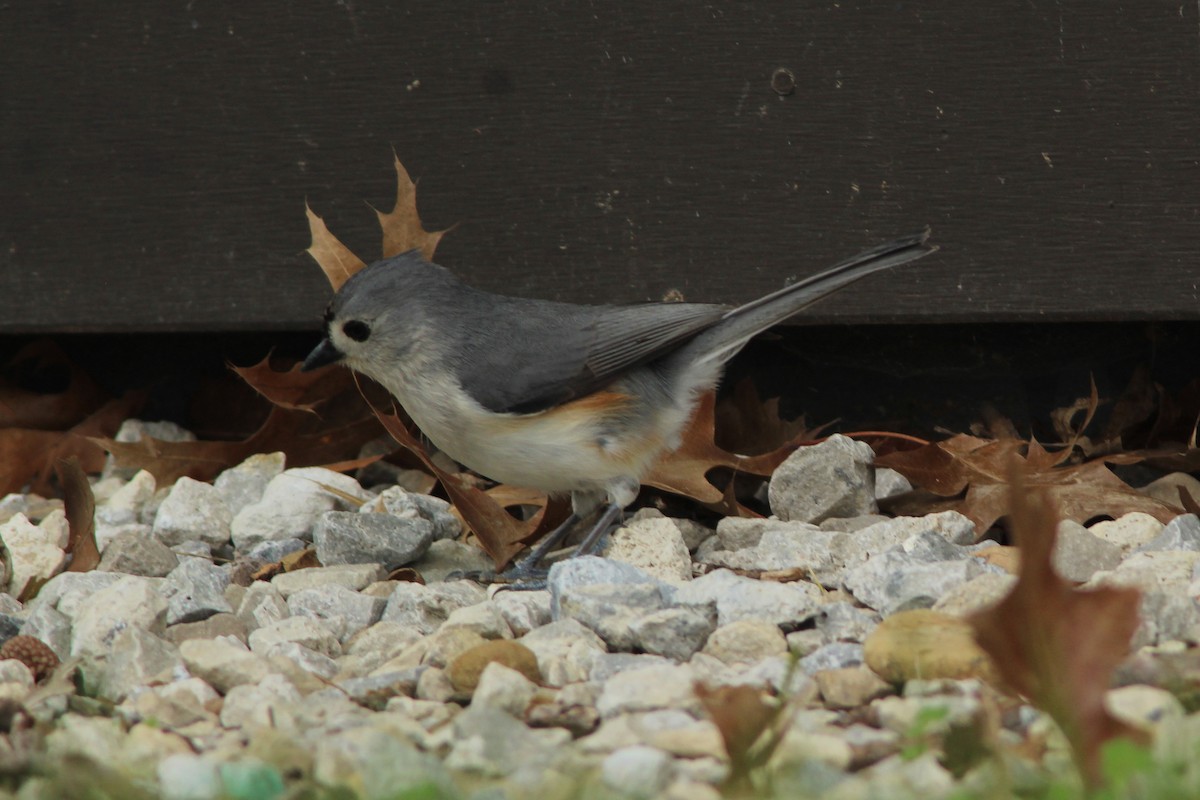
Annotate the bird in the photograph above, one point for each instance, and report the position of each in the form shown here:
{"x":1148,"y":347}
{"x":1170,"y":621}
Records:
{"x":569,"y":399}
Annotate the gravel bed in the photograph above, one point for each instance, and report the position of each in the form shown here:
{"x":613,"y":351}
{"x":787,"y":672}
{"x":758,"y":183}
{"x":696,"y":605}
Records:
{"x":196,"y":681}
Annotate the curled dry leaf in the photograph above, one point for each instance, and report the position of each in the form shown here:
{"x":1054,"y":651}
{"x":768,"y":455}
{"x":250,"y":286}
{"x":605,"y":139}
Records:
{"x":685,"y":470}
{"x":304,"y":440}
{"x":333,"y":257}
{"x":971,"y":475}
{"x":1055,"y":644}
{"x":294,"y":389}
{"x":499,"y":533}
{"x":80,"y":506}
{"x":402,"y":228}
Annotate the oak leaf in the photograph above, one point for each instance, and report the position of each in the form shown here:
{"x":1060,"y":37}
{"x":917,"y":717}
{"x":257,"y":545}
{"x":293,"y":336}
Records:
{"x":402,"y":228}
{"x":1052,"y":643}
{"x":973,"y":474}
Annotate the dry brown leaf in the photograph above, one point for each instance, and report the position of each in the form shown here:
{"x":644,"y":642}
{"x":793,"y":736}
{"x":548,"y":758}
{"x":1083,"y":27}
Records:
{"x":333,"y":257}
{"x":80,"y":506}
{"x":43,"y":390}
{"x":745,"y":423}
{"x":748,"y":726}
{"x":402,"y":229}
{"x":1054,"y":644}
{"x":685,"y":470}
{"x":980,"y":468}
{"x":500,"y":535}
{"x":29,"y":456}
{"x":304,"y":440}
{"x":293,"y":388}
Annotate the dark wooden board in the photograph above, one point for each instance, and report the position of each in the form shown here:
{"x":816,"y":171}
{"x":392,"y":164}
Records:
{"x":155,"y":158}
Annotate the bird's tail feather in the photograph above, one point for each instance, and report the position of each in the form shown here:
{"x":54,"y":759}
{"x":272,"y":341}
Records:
{"x":720,"y":342}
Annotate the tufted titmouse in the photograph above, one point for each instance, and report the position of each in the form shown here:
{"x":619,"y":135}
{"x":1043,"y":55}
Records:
{"x":554,"y":396}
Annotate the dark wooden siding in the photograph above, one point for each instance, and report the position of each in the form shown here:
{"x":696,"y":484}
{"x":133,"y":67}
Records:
{"x":155,"y":157}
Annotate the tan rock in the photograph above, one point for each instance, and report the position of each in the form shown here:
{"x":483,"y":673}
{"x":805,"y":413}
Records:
{"x":926,"y":644}
{"x":746,"y":641}
{"x":1006,"y":558}
{"x":974,"y":595}
{"x":850,"y":687}
{"x":465,"y":669}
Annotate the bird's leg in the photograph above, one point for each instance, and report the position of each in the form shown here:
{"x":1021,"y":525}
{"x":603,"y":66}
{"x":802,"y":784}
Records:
{"x":528,"y":566}
{"x":592,"y":541}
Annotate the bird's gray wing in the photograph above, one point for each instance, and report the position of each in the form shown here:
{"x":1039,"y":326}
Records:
{"x":534,"y":355}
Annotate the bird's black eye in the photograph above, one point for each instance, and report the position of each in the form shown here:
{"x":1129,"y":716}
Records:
{"x":356,"y":330}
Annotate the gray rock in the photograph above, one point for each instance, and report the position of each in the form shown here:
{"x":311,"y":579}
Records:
{"x":51,"y":627}
{"x":446,"y":556}
{"x":481,"y":618}
{"x":265,"y":704}
{"x":1079,"y":554}
{"x":899,"y":581}
{"x":10,"y":626}
{"x":275,"y":550}
{"x":523,"y":611}
{"x":32,"y":553}
{"x":425,"y":608}
{"x":835,"y":655}
{"x":851,"y":524}
{"x":374,"y":691}
{"x":261,"y":605}
{"x":351,"y":576}
{"x":491,"y":743}
{"x":648,"y":689}
{"x":379,"y":764}
{"x":601,"y":666}
{"x":637,"y":771}
{"x":223,"y":663}
{"x":412,"y":505}
{"x":1167,"y":616}
{"x":787,"y":605}
{"x":291,"y":505}
{"x":245,"y":484}
{"x":609,"y":609}
{"x":210,"y":628}
{"x":674,"y":633}
{"x":843,"y":622}
{"x":130,"y":602}
{"x":564,"y":650}
{"x":830,"y":479}
{"x":134,"y":430}
{"x":195,"y":590}
{"x":124,"y":508}
{"x":655,"y":546}
{"x":135,"y":553}
{"x":745,"y":641}
{"x":344,"y":611}
{"x":135,"y":658}
{"x":302,"y":630}
{"x":303,"y":657}
{"x":385,"y":638}
{"x":1181,"y":533}
{"x":591,"y":570}
{"x":1129,"y":531}
{"x":782,"y":546}
{"x":186,"y":776}
{"x":192,"y":511}
{"x":68,"y":592}
{"x":742,"y":533}
{"x":503,"y":689}
{"x":345,"y":537}
{"x":889,"y":483}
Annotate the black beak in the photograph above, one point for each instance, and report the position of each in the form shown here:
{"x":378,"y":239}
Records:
{"x":322,"y":354}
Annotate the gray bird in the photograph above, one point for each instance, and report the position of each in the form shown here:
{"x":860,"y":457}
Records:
{"x":564,"y":398}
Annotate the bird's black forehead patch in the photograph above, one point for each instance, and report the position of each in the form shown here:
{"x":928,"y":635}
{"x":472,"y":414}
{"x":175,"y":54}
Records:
{"x":328,"y":313}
